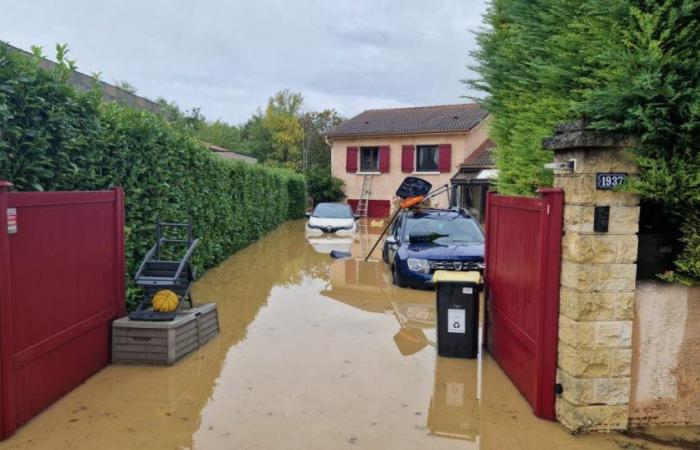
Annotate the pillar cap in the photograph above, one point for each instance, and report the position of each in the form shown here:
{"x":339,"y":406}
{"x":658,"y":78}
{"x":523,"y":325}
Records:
{"x":578,"y":135}
{"x":5,"y":184}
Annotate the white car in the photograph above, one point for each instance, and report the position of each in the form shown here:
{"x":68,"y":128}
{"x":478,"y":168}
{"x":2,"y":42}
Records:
{"x":331,"y":218}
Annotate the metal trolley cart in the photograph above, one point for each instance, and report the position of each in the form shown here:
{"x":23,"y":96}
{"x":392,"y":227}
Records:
{"x":160,"y":271}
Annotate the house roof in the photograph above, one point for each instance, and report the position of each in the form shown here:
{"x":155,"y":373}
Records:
{"x":423,"y":119}
{"x":482,"y":156}
{"x":83,"y":82}
{"x":230,"y":154}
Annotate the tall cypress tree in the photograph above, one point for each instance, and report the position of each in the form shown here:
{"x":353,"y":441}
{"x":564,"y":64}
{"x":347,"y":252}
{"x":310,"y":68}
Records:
{"x":630,"y":66}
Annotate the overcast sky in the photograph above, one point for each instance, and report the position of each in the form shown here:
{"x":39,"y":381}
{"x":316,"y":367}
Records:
{"x":229,"y":56}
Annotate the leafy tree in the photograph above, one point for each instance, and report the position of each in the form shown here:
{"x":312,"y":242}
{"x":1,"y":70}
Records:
{"x":274,"y":135}
{"x":629,"y":66}
{"x":190,"y":121}
{"x":256,"y":138}
{"x":316,"y":151}
{"x":286,"y":102}
{"x":222,"y":134}
{"x":282,"y":121}
{"x":287,"y":135}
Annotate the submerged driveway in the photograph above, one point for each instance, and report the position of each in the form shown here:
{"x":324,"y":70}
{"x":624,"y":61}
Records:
{"x":314,"y":353}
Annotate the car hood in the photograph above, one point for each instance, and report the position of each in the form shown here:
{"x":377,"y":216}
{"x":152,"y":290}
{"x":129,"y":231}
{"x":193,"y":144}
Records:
{"x":471,"y":252}
{"x":335,"y":223}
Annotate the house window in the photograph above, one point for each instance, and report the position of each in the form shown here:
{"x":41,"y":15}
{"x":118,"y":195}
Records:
{"x":427,"y":158}
{"x":369,"y":159}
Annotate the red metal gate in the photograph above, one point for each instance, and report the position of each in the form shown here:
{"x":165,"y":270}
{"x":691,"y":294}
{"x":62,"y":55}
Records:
{"x":523,"y":261}
{"x":61,"y":285}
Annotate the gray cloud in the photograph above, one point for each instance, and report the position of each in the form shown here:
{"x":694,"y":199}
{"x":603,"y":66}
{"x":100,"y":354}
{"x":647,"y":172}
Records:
{"x":228,"y":57}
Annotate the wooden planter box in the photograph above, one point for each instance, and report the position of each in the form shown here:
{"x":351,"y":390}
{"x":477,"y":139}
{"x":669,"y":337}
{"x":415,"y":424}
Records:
{"x":140,"y":342}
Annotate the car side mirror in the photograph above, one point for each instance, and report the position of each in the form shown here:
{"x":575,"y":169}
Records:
{"x":391,"y":240}
{"x":356,"y":216}
{"x":307,"y":214}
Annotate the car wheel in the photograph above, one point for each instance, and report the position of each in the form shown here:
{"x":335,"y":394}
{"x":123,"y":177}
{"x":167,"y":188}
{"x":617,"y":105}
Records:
{"x":397,"y":277}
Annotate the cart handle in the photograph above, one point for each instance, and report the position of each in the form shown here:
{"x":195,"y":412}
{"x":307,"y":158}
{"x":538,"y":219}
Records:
{"x":185,"y":258}
{"x":146,"y":259}
{"x":173,"y":224}
{"x":155,"y":248}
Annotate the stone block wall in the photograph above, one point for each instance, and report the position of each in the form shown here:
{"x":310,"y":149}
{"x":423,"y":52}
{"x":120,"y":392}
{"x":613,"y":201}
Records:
{"x":598,"y":278}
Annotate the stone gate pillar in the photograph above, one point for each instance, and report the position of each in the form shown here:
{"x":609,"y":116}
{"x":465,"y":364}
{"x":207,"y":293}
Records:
{"x":598,"y":277}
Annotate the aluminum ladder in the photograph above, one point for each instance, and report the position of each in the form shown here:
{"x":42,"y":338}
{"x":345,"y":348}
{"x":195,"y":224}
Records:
{"x":363,"y":202}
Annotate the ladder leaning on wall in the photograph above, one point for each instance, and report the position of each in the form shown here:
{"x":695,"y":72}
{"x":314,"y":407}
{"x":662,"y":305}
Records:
{"x":363,"y":202}
{"x":361,"y":212}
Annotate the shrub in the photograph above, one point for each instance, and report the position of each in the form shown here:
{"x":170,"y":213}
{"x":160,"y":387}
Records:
{"x":296,"y":187}
{"x":322,"y":186}
{"x":624,"y":66}
{"x":54,"y":138}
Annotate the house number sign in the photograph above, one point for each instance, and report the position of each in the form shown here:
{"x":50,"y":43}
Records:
{"x":609,"y":180}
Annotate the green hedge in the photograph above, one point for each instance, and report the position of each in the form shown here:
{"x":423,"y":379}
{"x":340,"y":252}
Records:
{"x":625,"y":66}
{"x":54,"y":138}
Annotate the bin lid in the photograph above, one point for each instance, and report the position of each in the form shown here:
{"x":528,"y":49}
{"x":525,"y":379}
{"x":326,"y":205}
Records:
{"x":451,"y":276}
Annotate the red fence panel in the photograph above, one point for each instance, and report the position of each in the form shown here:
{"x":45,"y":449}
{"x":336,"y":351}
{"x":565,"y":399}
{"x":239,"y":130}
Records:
{"x":62,"y":278}
{"x":523,"y":262}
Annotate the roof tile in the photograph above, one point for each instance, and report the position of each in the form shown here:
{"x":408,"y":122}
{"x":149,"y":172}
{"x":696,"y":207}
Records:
{"x":423,"y":119}
{"x":482,"y":156}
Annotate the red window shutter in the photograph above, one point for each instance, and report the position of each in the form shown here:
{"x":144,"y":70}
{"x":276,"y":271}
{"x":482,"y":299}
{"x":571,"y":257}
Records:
{"x":384,"y":158}
{"x":445,"y":158}
{"x":407,"y":158}
{"x":351,"y":160}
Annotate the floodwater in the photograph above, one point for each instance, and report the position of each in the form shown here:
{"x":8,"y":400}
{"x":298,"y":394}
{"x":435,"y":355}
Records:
{"x":314,"y":353}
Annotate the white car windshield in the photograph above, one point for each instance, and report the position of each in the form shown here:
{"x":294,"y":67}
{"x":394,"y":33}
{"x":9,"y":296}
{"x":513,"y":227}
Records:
{"x":458,"y":230}
{"x":332,"y":211}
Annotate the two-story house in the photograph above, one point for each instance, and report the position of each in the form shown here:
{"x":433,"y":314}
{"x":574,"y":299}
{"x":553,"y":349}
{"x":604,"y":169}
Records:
{"x":380,"y":147}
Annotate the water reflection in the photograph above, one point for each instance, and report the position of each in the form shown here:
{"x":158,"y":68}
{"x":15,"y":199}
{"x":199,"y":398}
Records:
{"x":415,"y":313}
{"x":326,"y":244}
{"x":454,"y":408}
{"x":359,"y":284}
{"x":366,"y":285}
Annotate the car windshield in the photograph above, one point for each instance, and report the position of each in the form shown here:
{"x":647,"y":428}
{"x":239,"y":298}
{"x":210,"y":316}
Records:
{"x":332,"y":211}
{"x":444,"y":231}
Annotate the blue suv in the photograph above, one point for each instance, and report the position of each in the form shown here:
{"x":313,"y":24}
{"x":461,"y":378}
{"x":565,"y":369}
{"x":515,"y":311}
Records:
{"x":425,"y":240}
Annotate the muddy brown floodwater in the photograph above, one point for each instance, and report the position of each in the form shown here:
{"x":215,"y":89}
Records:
{"x":314,"y":353}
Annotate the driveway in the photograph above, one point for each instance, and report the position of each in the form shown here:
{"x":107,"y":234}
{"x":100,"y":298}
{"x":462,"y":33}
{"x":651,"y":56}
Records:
{"x":314,"y":353}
